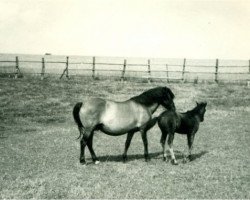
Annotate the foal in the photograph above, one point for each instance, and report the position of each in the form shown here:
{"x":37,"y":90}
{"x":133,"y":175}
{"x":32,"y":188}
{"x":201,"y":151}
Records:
{"x":187,"y":123}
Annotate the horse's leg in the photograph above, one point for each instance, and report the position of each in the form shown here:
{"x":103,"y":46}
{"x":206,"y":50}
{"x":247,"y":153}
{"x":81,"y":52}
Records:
{"x":170,"y":144}
{"x":163,"y":144}
{"x":127,"y":144}
{"x":150,"y":124}
{"x":90,"y":146}
{"x":145,"y":142}
{"x":143,"y":131}
{"x":83,"y":143}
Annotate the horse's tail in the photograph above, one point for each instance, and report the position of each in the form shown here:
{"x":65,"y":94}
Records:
{"x":77,"y":119}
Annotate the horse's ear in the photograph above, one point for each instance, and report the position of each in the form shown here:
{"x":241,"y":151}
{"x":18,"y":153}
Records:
{"x":197,"y":103}
{"x":205,"y":103}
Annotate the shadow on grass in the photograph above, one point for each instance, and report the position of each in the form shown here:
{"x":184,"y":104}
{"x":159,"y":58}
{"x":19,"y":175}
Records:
{"x":118,"y":158}
{"x":156,"y":155}
{"x":198,"y":155}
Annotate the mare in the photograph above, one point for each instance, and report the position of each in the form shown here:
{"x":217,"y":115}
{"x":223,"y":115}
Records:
{"x":187,"y":123}
{"x":118,"y":118}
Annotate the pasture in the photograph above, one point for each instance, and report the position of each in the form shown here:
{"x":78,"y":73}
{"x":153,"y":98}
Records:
{"x":40,"y":153}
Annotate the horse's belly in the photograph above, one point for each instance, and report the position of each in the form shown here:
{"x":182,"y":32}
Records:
{"x":119,"y":119}
{"x":119,"y":126}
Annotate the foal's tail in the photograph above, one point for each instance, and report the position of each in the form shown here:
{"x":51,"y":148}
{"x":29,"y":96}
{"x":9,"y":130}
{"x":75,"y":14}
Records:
{"x":77,"y":119}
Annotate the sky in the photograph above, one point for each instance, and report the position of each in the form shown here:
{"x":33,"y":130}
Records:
{"x":203,"y":29}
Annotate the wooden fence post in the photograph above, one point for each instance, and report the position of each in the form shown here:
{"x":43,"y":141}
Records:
{"x":216,"y":70}
{"x":17,"y":67}
{"x":167,"y":72}
{"x":249,"y":66}
{"x":183,"y":69}
{"x":93,"y":69}
{"x":66,"y":70}
{"x":67,"y":67}
{"x":43,"y":69}
{"x":124,"y":69}
{"x":149,"y":71}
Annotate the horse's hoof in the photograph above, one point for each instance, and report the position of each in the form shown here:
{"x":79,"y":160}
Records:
{"x":164,"y":159}
{"x":83,"y":162}
{"x":190,"y":158}
{"x":97,"y":162}
{"x":124,"y":159}
{"x":147,"y":159}
{"x":174,"y":162}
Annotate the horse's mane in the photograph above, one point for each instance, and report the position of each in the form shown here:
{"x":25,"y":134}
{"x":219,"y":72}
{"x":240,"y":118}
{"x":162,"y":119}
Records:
{"x":151,"y":96}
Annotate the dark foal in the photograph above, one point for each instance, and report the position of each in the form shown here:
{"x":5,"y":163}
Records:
{"x":187,"y":123}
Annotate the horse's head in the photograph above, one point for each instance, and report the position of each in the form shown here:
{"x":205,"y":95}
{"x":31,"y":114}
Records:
{"x":160,"y":95}
{"x":201,"y":109}
{"x":167,"y":98}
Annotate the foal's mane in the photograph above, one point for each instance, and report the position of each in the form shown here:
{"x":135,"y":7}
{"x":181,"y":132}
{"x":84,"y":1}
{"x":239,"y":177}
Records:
{"x":196,"y":109}
{"x":151,"y":96}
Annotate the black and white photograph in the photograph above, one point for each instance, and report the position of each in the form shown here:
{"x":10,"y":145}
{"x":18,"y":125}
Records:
{"x":124,"y":99}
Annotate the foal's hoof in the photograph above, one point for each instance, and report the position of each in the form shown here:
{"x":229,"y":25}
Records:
{"x":185,"y":160}
{"x":174,"y":162}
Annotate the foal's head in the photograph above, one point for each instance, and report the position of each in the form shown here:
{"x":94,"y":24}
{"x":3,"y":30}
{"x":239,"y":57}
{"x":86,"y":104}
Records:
{"x":201,"y":109}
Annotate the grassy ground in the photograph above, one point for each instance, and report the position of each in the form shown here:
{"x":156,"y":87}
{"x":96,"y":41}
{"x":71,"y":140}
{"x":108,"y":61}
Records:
{"x":39,"y":153}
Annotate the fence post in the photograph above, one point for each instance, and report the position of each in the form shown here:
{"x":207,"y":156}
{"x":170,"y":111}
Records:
{"x":149,"y":71}
{"x":249,"y":66}
{"x":93,"y":69}
{"x":167,"y":72}
{"x":216,"y":70}
{"x":183,"y":69}
{"x":124,"y":69}
{"x":67,"y":67}
{"x":66,"y":70}
{"x":17,"y":67}
{"x":43,"y":69}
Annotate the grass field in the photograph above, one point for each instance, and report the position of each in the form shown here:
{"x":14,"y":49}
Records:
{"x":39,"y":153}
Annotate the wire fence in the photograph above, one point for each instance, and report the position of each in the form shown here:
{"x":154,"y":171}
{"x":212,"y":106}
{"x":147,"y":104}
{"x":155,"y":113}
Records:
{"x":125,"y":68}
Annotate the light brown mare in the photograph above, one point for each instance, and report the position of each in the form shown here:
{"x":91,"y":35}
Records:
{"x":118,"y":118}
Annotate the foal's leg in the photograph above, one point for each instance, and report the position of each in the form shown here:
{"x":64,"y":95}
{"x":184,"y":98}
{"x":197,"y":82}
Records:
{"x":90,"y":146}
{"x":163,"y":144}
{"x":127,"y":144}
{"x":170,"y":144}
{"x":190,"y":139}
